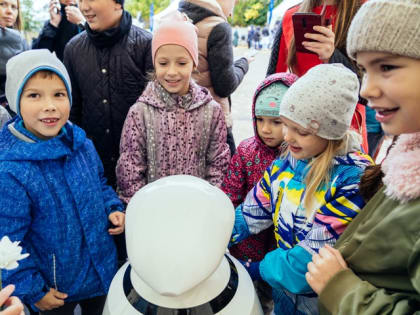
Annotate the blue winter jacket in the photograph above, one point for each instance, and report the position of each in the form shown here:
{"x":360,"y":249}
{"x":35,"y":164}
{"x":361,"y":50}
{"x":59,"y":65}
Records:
{"x":55,"y":200}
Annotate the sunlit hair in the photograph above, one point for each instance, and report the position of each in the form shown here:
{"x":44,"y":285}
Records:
{"x":319,"y":168}
{"x":19,"y":20}
{"x":346,"y":9}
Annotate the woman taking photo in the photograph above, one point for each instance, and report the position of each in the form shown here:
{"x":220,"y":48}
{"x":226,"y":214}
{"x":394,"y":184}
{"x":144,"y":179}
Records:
{"x":326,"y":44}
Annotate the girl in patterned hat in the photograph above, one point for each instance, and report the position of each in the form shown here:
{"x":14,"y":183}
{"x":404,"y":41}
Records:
{"x":310,"y":194}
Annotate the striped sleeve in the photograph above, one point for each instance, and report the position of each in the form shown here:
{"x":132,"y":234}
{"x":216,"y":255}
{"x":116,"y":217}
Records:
{"x":332,"y":218}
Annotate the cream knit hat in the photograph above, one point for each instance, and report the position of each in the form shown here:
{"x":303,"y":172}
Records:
{"x":390,"y":26}
{"x":323,"y":100}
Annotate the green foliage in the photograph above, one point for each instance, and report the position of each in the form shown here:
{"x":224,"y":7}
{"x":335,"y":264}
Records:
{"x":252,"y":12}
{"x":29,"y":23}
{"x":246,"y":12}
{"x":143,"y":6}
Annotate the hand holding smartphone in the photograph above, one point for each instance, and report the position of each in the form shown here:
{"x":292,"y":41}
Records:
{"x":304,"y":23}
{"x":57,"y":7}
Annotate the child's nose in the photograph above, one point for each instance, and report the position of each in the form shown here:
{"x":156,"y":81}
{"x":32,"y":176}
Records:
{"x":50,"y":105}
{"x":266,"y":128}
{"x":369,"y":88}
{"x":172,"y":69}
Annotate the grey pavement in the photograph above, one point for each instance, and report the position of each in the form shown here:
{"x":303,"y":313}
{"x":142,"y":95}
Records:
{"x":242,"y":97}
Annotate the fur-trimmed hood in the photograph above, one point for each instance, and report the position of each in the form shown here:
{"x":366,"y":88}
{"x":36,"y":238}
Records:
{"x":402,"y":169}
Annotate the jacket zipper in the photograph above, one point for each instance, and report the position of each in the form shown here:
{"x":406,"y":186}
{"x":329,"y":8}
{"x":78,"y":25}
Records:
{"x":54,"y":272}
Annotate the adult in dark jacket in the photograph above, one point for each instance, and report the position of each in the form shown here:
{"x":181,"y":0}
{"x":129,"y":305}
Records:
{"x":65,"y":21}
{"x":107,"y":65}
{"x":217,"y":70}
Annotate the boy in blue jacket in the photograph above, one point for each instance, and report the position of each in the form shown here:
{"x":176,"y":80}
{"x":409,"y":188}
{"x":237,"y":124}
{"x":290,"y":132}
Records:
{"x":53,"y":196}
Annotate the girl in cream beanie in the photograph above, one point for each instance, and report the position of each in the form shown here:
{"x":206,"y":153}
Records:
{"x":375,"y":266}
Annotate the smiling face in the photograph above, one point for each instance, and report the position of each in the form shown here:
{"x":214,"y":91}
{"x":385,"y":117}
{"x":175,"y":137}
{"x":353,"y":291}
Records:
{"x":101,"y":15}
{"x":44,"y":105}
{"x":173,"y":67}
{"x":9,"y":10}
{"x":270,"y":130}
{"x":391,"y":85}
{"x":302,"y":144}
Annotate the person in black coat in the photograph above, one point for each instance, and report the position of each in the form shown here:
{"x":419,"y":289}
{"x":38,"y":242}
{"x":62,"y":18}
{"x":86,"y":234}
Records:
{"x":65,"y":21}
{"x":108,"y":66}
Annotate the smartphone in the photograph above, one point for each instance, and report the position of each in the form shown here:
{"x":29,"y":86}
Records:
{"x":57,"y":8}
{"x":304,"y":23}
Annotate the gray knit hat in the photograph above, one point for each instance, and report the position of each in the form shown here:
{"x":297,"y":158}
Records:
{"x":323,"y":100}
{"x":390,"y":26}
{"x":22,"y":67}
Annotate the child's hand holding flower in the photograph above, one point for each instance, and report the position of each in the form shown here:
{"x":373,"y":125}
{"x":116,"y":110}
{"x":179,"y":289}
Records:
{"x":323,"y":267}
{"x":117,"y":218}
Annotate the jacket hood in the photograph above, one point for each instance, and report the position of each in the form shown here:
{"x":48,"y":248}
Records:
{"x":18,"y":144}
{"x":22,"y":67}
{"x":286,"y":78}
{"x":198,"y":10}
{"x":402,"y":168}
{"x":155,"y":95}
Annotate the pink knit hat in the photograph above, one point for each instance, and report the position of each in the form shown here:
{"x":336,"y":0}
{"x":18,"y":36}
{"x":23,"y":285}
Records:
{"x":176,"y":29}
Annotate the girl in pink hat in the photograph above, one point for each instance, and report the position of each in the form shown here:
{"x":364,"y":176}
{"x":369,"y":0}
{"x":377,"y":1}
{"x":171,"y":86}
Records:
{"x":175,"y":127}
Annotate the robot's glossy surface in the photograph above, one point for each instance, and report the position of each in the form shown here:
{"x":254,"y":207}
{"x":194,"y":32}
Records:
{"x":177,"y":230}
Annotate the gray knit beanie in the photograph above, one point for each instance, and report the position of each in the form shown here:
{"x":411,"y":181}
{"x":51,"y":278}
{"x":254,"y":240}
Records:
{"x":323,"y":100}
{"x":389,"y":26}
{"x":22,"y":67}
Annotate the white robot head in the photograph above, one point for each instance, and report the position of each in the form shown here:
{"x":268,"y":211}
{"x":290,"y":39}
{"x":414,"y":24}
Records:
{"x":169,"y":223}
{"x":177,"y":231}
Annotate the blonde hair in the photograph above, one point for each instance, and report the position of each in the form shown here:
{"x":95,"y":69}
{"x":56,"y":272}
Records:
{"x":346,"y":9}
{"x":319,"y":169}
{"x":18,"y":25}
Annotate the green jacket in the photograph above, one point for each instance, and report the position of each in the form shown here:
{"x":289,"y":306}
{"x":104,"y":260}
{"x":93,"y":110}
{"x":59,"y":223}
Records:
{"x":382,"y":245}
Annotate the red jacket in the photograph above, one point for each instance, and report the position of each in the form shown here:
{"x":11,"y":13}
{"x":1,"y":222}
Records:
{"x":246,"y":168}
{"x":304,"y":61}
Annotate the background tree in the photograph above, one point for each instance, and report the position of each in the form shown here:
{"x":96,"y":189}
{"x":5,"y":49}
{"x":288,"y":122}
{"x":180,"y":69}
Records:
{"x":30,"y":24}
{"x":251,"y":12}
{"x":143,"y":6}
{"x":246,"y":12}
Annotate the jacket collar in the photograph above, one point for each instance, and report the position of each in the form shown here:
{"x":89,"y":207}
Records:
{"x":110,"y":37}
{"x":155,"y":95}
{"x":402,"y":169}
{"x":17,"y":144}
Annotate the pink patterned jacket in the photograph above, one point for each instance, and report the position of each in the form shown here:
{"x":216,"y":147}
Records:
{"x":166,"y":134}
{"x":246,"y":168}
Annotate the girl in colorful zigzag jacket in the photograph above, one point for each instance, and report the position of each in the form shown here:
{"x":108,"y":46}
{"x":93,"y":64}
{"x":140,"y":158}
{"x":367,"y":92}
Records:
{"x":311,"y":193}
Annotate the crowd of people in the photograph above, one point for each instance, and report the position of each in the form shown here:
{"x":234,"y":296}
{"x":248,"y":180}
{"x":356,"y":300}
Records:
{"x":98,"y":108}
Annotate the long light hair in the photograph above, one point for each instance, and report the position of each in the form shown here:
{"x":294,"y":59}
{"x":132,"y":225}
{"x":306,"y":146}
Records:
{"x":320,"y":167}
{"x":346,"y":9}
{"x":18,"y":25}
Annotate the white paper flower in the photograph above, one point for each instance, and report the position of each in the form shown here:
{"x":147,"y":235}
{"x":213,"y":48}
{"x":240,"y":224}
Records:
{"x":10,"y":253}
